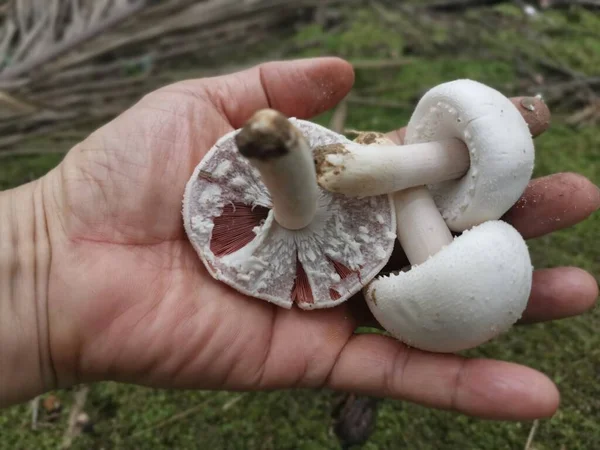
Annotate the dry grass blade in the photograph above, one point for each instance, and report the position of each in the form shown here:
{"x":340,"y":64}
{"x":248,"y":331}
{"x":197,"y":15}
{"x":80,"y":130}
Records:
{"x":534,"y":427}
{"x":197,"y":16}
{"x":54,"y":96}
{"x":182,"y":415}
{"x":338,"y":120}
{"x":32,"y":38}
{"x":44,"y":36}
{"x":588,"y":115}
{"x":175,"y":418}
{"x":35,"y":409}
{"x":76,"y":409}
{"x":98,"y":11}
{"x":11,"y":105}
{"x":8,"y":33}
{"x":232,"y":402}
{"x":61,"y":77}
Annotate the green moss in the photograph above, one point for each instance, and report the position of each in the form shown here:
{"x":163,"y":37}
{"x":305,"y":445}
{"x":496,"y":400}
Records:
{"x":17,"y":170}
{"x":360,"y":36}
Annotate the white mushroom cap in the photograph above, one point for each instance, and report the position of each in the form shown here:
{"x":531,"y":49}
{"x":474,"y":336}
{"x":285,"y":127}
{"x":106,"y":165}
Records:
{"x":470,"y":292}
{"x":500,"y":145}
{"x":346,"y":245}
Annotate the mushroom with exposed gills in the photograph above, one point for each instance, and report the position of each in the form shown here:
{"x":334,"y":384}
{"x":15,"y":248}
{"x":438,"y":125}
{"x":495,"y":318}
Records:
{"x":458,"y":122}
{"x":460,"y":292}
{"x":259,"y":222}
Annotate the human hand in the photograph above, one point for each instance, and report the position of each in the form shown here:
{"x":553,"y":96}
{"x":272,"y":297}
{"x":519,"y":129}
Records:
{"x":128,"y":299}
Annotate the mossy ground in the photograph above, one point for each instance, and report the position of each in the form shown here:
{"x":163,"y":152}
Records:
{"x":129,"y":417}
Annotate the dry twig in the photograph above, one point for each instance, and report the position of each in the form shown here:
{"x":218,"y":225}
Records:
{"x":531,"y":436}
{"x":588,"y":115}
{"x":61,"y":60}
{"x":76,"y":409}
{"x":338,"y":120}
{"x":35,"y":409}
{"x":182,"y":415}
{"x":46,"y":31}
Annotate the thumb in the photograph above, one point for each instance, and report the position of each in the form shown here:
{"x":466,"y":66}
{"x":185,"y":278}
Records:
{"x":299,"y":88}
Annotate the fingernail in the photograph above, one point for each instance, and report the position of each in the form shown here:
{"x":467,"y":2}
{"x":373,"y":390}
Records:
{"x":536,"y":113}
{"x":528,"y":103}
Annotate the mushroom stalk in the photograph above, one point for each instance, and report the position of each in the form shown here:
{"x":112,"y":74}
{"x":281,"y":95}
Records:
{"x":361,"y":170}
{"x":284,"y":160}
{"x":421,"y":230}
{"x":420,"y":227}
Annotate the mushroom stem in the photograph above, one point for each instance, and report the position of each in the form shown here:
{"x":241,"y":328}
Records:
{"x":420,"y":227}
{"x":421,"y":230}
{"x":360,"y":170}
{"x":282,"y":155}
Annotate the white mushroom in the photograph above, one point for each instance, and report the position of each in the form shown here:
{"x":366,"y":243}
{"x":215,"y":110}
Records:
{"x":465,"y":140}
{"x":468,"y":293}
{"x":259,"y":222}
{"x":460,"y":292}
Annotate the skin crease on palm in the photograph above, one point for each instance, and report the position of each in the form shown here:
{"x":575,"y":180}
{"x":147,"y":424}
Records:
{"x":129,"y":300}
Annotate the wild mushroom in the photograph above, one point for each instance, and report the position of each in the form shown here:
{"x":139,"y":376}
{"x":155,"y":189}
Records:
{"x":259,"y":222}
{"x":460,"y":292}
{"x":470,"y":292}
{"x":465,"y":140}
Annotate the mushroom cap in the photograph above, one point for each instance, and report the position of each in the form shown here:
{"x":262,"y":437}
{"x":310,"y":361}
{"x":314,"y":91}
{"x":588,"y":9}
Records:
{"x":345,"y":246}
{"x":471,"y":291}
{"x":500,"y":147}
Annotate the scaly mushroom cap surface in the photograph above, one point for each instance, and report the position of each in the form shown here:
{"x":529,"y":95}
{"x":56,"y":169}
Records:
{"x":229,"y":221}
{"x":470,"y":292}
{"x":500,"y":146}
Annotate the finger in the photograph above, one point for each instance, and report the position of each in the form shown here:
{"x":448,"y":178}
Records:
{"x":558,"y":293}
{"x":549,"y":204}
{"x":380,"y":366}
{"x":552,"y":203}
{"x":535,"y":112}
{"x":533,"y":109}
{"x":300,"y":88}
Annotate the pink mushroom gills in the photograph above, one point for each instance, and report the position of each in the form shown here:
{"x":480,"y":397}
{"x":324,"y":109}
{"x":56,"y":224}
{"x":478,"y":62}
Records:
{"x":260,"y":223}
{"x":460,"y":292}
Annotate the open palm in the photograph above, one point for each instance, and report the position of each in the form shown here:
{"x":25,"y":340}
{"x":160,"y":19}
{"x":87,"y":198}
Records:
{"x":129,"y":299}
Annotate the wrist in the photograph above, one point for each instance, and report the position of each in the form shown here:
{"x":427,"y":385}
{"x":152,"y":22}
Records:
{"x":25,"y":362}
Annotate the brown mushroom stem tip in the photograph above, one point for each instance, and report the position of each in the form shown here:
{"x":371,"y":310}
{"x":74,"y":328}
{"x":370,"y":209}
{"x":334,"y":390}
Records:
{"x":283,"y":157}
